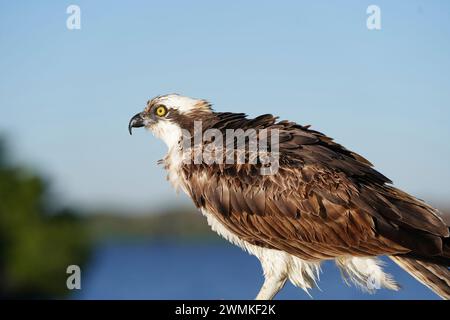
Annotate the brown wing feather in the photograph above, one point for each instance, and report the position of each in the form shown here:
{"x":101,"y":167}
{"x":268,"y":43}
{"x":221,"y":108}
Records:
{"x":325,"y":201}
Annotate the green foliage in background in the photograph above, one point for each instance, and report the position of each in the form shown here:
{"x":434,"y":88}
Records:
{"x":36,"y":243}
{"x":181,"y":224}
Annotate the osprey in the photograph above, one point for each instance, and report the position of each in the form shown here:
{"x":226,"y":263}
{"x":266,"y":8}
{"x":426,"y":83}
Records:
{"x":324,"y":202}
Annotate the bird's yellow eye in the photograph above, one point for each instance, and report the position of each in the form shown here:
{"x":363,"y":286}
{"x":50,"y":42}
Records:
{"x":161,"y":111}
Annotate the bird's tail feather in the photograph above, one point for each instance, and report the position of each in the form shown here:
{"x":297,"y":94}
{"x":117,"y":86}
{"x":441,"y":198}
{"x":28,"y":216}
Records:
{"x":434,"y":276}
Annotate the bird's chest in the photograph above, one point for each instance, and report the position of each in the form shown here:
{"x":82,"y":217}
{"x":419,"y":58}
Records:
{"x":173,"y":163}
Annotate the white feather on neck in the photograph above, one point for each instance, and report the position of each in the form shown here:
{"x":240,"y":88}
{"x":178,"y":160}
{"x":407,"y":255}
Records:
{"x":168,"y":132}
{"x":171,"y":134}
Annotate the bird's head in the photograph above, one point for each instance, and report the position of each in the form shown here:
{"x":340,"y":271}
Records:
{"x":166,"y":116}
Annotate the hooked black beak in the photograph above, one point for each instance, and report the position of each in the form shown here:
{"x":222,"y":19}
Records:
{"x":136,"y":122}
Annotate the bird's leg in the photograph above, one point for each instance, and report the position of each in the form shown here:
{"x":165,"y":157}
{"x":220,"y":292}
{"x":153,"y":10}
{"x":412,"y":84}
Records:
{"x":275,"y":265}
{"x":272,"y":284}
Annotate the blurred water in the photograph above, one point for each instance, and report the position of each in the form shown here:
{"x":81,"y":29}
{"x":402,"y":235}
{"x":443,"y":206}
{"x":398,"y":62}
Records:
{"x":162,"y":270}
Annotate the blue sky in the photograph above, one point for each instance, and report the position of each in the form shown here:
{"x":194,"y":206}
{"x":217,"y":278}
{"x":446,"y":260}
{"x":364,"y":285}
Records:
{"x":66,"y":96}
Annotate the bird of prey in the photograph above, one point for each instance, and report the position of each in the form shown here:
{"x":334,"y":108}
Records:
{"x":324,"y":202}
